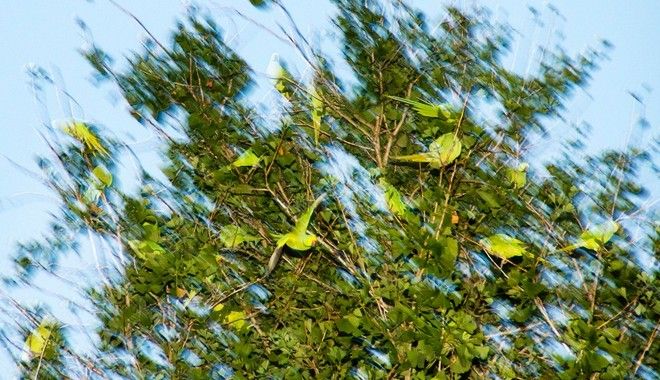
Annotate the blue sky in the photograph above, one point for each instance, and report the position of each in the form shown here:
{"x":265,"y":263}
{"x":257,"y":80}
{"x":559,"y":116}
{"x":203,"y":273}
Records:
{"x":45,"y":33}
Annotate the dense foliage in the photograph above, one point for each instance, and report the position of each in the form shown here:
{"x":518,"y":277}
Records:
{"x":442,"y":249}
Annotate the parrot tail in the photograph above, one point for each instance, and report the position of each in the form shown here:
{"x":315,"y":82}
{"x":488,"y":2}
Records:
{"x":274,"y":259}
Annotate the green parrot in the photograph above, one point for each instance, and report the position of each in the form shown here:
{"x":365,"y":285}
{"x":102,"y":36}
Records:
{"x":280,"y":77}
{"x":81,"y":132}
{"x":317,"y":113}
{"x":37,"y":341}
{"x":246,"y":159}
{"x":442,"y":111}
{"x":595,"y":238}
{"x":443,"y":151}
{"x":503,"y":246}
{"x":298,"y":239}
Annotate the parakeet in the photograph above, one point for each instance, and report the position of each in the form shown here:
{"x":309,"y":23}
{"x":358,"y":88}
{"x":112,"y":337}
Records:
{"x":503,"y":246}
{"x":280,"y":77}
{"x":595,"y":238}
{"x":442,"y":111}
{"x":247,"y":158}
{"x":298,"y":239}
{"x":81,"y":132}
{"x":317,"y":113}
{"x":442,"y":151}
{"x":37,"y":340}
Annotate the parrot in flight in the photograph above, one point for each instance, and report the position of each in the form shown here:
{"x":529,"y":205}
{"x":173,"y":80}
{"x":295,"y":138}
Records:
{"x":595,"y":238}
{"x":503,"y":246}
{"x":443,"y":151}
{"x":81,"y":132}
{"x":298,"y":238}
{"x":281,"y":78}
{"x":441,"y":111}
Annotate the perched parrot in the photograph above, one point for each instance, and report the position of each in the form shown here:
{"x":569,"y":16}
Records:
{"x":298,"y":239}
{"x":81,"y":132}
{"x":442,"y":111}
{"x":246,"y":159}
{"x":442,"y":151}
{"x":317,"y":113}
{"x":280,"y":77}
{"x":503,"y":246}
{"x":37,"y":341}
{"x":594,"y":238}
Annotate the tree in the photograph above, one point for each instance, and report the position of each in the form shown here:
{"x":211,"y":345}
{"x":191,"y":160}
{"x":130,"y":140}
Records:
{"x":478,"y":262}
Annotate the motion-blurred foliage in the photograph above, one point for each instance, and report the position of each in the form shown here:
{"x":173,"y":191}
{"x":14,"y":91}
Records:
{"x":482,"y":264}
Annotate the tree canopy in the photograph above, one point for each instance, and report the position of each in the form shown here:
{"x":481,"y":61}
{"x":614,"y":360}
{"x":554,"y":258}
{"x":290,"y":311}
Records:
{"x":395,"y":224}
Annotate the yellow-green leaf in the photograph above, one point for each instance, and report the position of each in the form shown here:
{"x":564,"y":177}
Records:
{"x":447,"y":147}
{"x":394,"y":199}
{"x":503,"y":246}
{"x":518,"y":176}
{"x":595,"y":238}
{"x":236,"y":319}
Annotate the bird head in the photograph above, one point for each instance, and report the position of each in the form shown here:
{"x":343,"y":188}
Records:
{"x":310,"y":240}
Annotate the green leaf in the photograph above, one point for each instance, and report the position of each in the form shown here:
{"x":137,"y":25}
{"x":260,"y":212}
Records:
{"x":236,"y":319}
{"x":595,"y":238}
{"x":489,"y":198}
{"x":394,"y":199}
{"x":518,"y":176}
{"x":447,"y":147}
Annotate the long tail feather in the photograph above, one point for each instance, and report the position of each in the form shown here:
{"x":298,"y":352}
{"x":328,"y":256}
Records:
{"x":274,"y":259}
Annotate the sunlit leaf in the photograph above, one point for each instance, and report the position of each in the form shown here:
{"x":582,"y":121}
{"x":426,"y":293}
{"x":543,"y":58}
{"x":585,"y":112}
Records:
{"x":503,"y":246}
{"x":236,"y":319}
{"x":595,"y":238}
{"x":518,"y":175}
{"x":394,"y":199}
